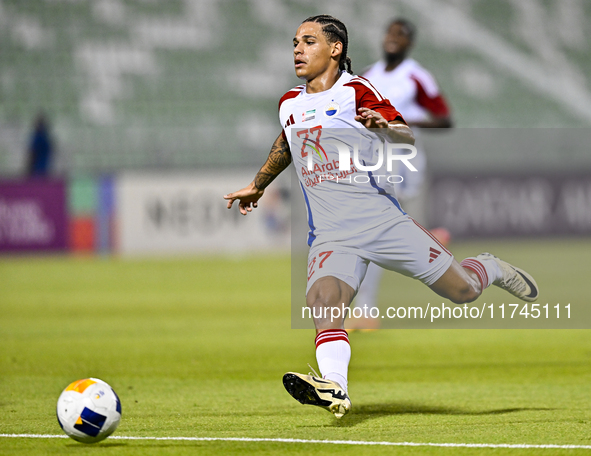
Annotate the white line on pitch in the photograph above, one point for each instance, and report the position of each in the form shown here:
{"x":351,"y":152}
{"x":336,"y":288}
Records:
{"x":333,"y":442}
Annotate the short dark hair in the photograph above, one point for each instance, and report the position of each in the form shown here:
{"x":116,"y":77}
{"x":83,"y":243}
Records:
{"x":334,"y":30}
{"x":411,"y":29}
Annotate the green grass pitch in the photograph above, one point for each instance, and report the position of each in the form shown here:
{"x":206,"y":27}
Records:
{"x":197,"y":348}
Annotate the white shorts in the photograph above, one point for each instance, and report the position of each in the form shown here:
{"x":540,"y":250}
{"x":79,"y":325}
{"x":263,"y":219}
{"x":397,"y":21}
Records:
{"x":403,"y":246}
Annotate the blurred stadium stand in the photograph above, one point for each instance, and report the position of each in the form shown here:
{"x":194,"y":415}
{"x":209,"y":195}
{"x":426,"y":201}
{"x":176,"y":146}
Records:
{"x":193,"y":84}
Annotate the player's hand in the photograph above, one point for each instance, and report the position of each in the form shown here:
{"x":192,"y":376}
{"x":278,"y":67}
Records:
{"x":370,"y":118}
{"x":248,"y":198}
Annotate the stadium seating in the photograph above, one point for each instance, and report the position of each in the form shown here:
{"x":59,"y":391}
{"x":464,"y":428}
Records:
{"x":194,"y":84}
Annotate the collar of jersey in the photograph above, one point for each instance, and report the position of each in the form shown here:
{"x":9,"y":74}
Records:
{"x":336,"y":85}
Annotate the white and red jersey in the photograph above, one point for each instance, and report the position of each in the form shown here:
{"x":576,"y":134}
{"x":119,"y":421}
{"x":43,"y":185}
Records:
{"x":416,"y":95}
{"x":339,"y":203}
{"x":409,"y":87}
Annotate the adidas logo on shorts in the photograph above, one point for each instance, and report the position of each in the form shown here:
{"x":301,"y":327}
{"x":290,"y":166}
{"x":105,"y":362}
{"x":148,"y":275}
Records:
{"x":433,"y":254}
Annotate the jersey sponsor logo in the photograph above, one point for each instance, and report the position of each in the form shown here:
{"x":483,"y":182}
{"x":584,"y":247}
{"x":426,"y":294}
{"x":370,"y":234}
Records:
{"x":309,"y":115}
{"x":313,"y":143}
{"x":433,"y":254}
{"x":332,"y":109}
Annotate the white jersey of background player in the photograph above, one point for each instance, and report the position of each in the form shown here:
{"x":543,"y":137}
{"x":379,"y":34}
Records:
{"x":414,"y":92}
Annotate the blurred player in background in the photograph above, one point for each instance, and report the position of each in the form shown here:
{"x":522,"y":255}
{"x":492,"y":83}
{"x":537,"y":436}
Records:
{"x":354,"y":221}
{"x":414,"y":92}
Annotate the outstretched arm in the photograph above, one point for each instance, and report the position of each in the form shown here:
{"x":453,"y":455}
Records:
{"x":279,"y":158}
{"x":397,"y":131}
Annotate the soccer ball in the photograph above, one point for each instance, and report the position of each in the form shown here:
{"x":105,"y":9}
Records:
{"x":88,"y":410}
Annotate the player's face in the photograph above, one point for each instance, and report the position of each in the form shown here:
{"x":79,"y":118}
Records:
{"x":397,"y":41}
{"x":312,"y":53}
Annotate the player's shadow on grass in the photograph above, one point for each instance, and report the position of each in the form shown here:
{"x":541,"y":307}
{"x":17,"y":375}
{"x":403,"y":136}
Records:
{"x":365,"y":412}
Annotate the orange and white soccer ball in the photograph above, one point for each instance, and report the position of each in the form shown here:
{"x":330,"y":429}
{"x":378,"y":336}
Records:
{"x":89,"y":410}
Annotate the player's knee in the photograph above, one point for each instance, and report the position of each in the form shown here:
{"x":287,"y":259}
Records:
{"x":329,"y":292}
{"x":322,"y":306}
{"x":328,"y":302}
{"x":324,"y":297}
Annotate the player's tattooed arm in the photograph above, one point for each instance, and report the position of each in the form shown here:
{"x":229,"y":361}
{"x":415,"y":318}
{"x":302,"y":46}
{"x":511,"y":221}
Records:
{"x":279,"y":158}
{"x":248,"y":197}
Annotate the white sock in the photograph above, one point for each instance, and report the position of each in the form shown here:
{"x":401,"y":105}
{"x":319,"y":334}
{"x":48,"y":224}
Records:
{"x":333,"y":354}
{"x":487,"y":270}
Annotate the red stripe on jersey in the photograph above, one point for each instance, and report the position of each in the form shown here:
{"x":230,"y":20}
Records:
{"x":435,"y":105}
{"x":365,"y":97}
{"x":292,"y":93}
{"x":431,"y":236}
{"x":366,"y":82}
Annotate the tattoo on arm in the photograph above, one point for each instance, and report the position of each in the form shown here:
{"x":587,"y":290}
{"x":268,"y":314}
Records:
{"x":279,"y":158}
